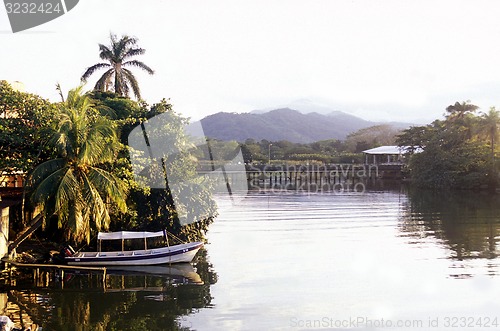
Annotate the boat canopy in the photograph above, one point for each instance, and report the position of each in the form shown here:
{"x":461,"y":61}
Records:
{"x":128,"y":235}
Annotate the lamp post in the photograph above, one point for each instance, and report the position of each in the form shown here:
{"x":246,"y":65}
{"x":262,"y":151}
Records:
{"x":270,"y":153}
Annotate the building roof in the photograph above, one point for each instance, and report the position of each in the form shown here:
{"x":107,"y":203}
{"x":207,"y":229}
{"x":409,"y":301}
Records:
{"x":389,"y":150}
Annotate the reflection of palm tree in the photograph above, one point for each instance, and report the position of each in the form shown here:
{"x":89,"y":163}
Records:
{"x":490,"y":122}
{"x":73,"y":186}
{"x":118,"y":54}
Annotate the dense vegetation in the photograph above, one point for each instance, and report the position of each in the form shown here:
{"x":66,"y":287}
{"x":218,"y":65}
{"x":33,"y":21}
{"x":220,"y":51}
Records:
{"x":325,"y":151}
{"x":79,"y":168}
{"x":458,"y":152}
{"x":74,"y":156}
{"x":25,"y":120}
{"x":73,"y":184}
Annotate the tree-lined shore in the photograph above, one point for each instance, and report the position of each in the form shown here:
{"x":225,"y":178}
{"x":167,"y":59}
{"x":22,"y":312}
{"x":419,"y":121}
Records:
{"x":75,"y":162}
{"x":74,"y":158}
{"x":459,"y":152}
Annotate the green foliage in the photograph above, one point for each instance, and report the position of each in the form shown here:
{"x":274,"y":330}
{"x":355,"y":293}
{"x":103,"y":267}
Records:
{"x":24,"y":121}
{"x":74,"y":186}
{"x":374,"y":136}
{"x":457,"y":152}
{"x":153,"y":209}
{"x":466,"y":166}
{"x":121,"y":107}
{"x":488,"y":128}
{"x":126,"y":113}
{"x":325,"y":151}
{"x":308,"y":157}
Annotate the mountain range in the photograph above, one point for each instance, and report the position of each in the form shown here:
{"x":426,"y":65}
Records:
{"x":285,"y":124}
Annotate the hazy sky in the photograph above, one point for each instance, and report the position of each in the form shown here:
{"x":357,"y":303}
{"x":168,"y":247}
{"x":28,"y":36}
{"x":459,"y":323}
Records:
{"x":383,"y":60}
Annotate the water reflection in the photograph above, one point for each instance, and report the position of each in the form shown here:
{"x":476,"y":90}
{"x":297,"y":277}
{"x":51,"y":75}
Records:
{"x":386,"y":253}
{"x":153,"y":299}
{"x":467,"y":224}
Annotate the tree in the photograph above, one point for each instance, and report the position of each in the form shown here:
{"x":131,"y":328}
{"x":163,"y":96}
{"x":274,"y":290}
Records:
{"x":74,"y":186}
{"x":118,"y":54}
{"x":374,"y":136}
{"x":453,"y":155}
{"x":155,"y":205}
{"x":489,"y":124}
{"x":458,"y":111}
{"x":461,"y":119}
{"x":151,"y":208}
{"x":417,"y":137}
{"x":465,"y":166}
{"x":24,"y":121}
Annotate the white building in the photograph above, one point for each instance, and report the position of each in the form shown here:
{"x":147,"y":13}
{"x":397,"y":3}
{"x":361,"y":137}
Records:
{"x":388,"y":154}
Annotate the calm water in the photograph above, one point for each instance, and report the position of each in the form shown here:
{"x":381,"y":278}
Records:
{"x":289,"y":261}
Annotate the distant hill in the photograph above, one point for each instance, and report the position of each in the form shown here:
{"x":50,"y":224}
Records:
{"x":282,"y":124}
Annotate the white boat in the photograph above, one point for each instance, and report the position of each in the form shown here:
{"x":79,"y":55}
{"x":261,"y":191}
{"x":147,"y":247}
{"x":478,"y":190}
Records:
{"x":163,"y":255}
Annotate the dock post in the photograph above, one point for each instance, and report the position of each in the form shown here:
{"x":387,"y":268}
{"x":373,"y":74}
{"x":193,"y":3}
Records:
{"x":104,"y":278}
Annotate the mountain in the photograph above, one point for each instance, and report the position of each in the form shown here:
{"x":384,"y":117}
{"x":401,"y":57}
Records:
{"x":304,"y":106}
{"x":282,"y":124}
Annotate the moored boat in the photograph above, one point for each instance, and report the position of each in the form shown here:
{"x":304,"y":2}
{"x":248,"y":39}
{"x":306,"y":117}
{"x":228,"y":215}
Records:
{"x":162,"y":255}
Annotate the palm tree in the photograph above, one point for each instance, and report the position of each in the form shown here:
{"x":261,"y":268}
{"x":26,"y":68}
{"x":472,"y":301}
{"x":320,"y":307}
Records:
{"x":460,"y":118}
{"x":74,"y":187}
{"x":459,"y":110}
{"x":490,"y":122}
{"x":118,"y":54}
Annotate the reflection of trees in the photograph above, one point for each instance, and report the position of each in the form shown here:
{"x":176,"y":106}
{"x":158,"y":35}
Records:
{"x":466,"y":222}
{"x":19,"y":312}
{"x":130,"y":301}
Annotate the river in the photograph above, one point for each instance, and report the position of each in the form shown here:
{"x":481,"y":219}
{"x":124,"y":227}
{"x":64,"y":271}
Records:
{"x":279,"y":260}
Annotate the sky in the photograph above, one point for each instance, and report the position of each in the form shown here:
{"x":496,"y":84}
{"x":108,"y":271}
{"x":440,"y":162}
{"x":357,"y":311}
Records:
{"x":381,"y":60}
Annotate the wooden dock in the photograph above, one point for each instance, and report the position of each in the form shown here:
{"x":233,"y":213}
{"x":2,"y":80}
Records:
{"x":59,"y":268}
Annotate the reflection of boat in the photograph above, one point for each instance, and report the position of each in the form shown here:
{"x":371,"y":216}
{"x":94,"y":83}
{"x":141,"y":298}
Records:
{"x":162,"y":255}
{"x":178,"y":270}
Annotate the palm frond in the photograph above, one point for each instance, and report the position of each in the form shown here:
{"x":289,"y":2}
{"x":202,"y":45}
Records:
{"x":63,"y":138}
{"x":104,"y":81}
{"x":70,"y":205}
{"x":114,"y":188}
{"x":133,"y":52}
{"x":44,"y":190}
{"x":72,"y":186}
{"x":125,"y":42}
{"x":76,"y":99}
{"x":140,"y":65}
{"x":116,"y":52}
{"x":67,"y":191}
{"x":97,"y":210}
{"x":105,"y":53}
{"x":92,"y":69}
{"x":42,"y":171}
{"x":100,"y":143}
{"x":132,"y":82}
{"x":121,"y":47}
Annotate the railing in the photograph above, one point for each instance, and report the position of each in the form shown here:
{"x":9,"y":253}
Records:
{"x":323,"y":177}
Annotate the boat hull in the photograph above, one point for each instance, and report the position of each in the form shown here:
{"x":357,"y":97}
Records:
{"x":173,"y":254}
